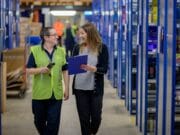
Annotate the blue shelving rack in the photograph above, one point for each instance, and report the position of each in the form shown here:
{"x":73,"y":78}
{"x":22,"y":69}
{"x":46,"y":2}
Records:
{"x":16,"y":23}
{"x":120,"y":58}
{"x":11,"y":8}
{"x":176,"y":73}
{"x":124,"y":41}
{"x":113,"y":41}
{"x":128,"y":54}
{"x":161,"y":66}
{"x":135,"y":42}
{"x":168,"y":50}
{"x":8,"y":23}
{"x":144,"y":67}
{"x":110,"y":24}
{"x":132,"y":54}
{"x":103,"y":24}
{"x":106,"y":21}
{"x":147,"y":59}
{"x":2,"y":24}
{"x":105,"y":14}
{"x":96,"y":6}
{"x":131,"y":46}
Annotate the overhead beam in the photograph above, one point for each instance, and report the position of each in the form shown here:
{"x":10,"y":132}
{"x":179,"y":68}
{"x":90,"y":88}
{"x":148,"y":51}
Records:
{"x":56,"y":2}
{"x":56,"y":7}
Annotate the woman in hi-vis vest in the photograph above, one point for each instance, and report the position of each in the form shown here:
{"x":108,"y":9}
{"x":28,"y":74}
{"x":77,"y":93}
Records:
{"x":47,"y":64}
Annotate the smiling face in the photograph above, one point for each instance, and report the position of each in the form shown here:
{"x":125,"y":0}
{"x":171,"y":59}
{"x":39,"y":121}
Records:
{"x":82,"y":36}
{"x":52,"y":37}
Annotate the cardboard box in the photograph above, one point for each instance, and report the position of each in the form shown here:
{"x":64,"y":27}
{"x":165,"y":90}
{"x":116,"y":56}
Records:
{"x":3,"y":86}
{"x":16,"y":75}
{"x":15,"y":58}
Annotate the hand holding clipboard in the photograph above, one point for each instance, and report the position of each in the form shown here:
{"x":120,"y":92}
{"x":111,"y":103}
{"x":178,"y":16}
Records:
{"x":75,"y":64}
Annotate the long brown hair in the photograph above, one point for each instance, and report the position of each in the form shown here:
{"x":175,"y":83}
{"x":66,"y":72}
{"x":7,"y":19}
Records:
{"x":93,"y":37}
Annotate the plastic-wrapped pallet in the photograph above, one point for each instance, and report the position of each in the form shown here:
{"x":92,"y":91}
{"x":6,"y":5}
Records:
{"x":24,"y":29}
{"x":35,"y":28}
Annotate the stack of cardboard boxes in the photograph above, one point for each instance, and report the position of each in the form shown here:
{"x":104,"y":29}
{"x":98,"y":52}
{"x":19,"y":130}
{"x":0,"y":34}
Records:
{"x":28,"y":28}
{"x":24,"y":30}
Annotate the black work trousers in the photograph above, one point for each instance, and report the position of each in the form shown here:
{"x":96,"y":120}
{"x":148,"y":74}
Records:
{"x":47,"y":116}
{"x":89,"y":107}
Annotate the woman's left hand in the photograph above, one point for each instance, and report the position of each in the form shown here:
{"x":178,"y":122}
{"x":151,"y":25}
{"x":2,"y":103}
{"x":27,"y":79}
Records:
{"x":66,"y":95}
{"x":88,"y":68}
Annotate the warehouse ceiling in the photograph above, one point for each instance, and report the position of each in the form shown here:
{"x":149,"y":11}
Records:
{"x":55,"y":2}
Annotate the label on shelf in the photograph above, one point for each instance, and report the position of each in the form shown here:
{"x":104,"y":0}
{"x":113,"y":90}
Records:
{"x":151,"y":80}
{"x":151,"y":125}
{"x":134,"y":70}
{"x":151,"y":52}
{"x":178,"y":25}
{"x":151,"y":110}
{"x":1,"y":29}
{"x":115,"y":35}
{"x":109,"y":33}
{"x":178,"y":88}
{"x":178,"y":58}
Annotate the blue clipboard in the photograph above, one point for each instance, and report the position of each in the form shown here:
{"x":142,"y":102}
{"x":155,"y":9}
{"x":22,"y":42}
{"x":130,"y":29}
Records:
{"x":75,"y":62}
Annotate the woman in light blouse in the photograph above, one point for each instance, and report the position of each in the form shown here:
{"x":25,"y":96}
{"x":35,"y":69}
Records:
{"x":88,"y":87}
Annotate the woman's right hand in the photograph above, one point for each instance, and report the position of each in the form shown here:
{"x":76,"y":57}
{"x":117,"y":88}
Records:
{"x":44,"y":70}
{"x":88,"y":68}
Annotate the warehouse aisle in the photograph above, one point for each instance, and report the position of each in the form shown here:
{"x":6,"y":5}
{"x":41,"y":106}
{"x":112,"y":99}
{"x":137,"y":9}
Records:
{"x":18,"y":119}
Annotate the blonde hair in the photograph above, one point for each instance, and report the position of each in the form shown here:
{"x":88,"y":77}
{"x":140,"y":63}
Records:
{"x":93,"y":38}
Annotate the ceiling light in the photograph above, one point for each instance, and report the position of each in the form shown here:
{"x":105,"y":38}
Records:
{"x":63,"y":12}
{"x":87,"y":13}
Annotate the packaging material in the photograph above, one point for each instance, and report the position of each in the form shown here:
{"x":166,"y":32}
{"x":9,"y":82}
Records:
{"x":28,"y":28}
{"x":16,"y":75}
{"x":35,"y":28}
{"x":24,"y":30}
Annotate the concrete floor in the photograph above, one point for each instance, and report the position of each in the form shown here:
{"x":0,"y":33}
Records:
{"x":18,"y":119}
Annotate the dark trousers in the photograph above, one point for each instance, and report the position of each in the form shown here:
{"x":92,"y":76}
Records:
{"x":47,"y":116}
{"x":89,"y":107}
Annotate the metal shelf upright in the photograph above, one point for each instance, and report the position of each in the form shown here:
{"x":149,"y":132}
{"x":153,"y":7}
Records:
{"x":120,"y":54}
{"x":128,"y":54}
{"x":135,"y":22}
{"x":139,"y":67}
{"x":104,"y":30}
{"x":132,"y":54}
{"x":144,"y":67}
{"x":8,"y":23}
{"x":16,"y":23}
{"x":113,"y":41}
{"x":96,"y":6}
{"x":124,"y":42}
{"x":2,"y":24}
